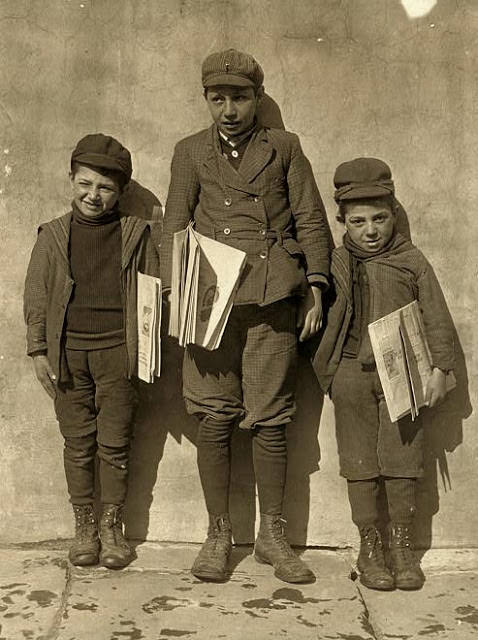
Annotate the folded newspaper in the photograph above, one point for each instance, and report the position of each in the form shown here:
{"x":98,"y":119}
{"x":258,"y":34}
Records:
{"x":204,"y":279}
{"x":149,"y":327}
{"x":403,"y":360}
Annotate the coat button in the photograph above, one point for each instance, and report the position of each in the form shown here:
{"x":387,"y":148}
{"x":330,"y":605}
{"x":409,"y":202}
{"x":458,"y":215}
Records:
{"x":262,"y":232}
{"x":227,"y":231}
{"x":228,"y":201}
{"x":256,"y":199}
{"x":234,"y":154}
{"x":263,"y":254}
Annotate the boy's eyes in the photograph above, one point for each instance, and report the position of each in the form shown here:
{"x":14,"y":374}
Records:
{"x":219,"y":99}
{"x":103,"y":187}
{"x":358,"y":221}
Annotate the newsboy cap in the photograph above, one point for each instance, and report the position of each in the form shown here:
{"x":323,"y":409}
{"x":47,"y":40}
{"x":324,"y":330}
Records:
{"x":98,"y":150}
{"x":231,"y":67}
{"x":362,"y":178}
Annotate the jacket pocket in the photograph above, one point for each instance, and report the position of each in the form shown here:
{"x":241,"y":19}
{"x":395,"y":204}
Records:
{"x":293,"y":248}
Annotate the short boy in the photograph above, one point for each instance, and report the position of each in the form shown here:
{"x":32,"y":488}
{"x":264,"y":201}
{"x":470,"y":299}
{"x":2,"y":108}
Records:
{"x":80,"y":310}
{"x":375,"y":272}
{"x":252,"y":188}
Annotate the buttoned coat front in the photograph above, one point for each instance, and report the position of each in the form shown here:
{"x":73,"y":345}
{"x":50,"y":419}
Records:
{"x":270,"y":208}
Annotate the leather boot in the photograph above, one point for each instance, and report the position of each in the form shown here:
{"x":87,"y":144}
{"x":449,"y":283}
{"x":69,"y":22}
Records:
{"x":115,"y":551}
{"x":374,"y":573}
{"x":211,"y":561}
{"x":404,"y":565}
{"x":86,"y":545}
{"x":272,"y":548}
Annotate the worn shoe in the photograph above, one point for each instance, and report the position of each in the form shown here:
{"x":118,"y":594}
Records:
{"x":272,"y":548}
{"x":86,"y":546}
{"x":404,"y":564}
{"x":211,"y":561}
{"x":374,"y":573}
{"x":115,"y":551}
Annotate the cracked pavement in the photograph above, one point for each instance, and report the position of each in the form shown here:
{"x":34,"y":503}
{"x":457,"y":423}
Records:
{"x":42,"y":597}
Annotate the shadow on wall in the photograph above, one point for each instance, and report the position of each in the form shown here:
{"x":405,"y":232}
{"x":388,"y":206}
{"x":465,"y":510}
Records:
{"x":443,"y":434}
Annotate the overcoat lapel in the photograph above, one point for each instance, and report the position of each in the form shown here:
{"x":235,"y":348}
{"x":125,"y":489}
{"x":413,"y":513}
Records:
{"x":257,"y":156}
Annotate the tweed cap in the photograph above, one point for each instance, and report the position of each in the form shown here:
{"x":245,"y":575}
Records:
{"x":231,"y":67}
{"x":362,"y":178}
{"x":98,"y":150}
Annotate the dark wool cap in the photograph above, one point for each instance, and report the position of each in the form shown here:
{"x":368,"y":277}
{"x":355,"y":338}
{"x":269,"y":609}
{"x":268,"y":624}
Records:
{"x":98,"y":150}
{"x":231,"y":67}
{"x":363,"y":178}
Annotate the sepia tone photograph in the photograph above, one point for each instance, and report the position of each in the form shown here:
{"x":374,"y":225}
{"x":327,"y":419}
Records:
{"x":246,"y":410}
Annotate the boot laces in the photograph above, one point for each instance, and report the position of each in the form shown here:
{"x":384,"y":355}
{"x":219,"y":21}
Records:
{"x":218,"y":536}
{"x":85,"y":522}
{"x":373,"y":542}
{"x":278,"y":535}
{"x":402,"y":545}
{"x":112,"y":522}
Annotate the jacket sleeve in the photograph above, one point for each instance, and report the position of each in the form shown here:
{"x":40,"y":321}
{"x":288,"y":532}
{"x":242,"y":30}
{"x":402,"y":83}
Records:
{"x":183,"y":196}
{"x":437,"y":319}
{"x":35,"y":298}
{"x":312,"y":229}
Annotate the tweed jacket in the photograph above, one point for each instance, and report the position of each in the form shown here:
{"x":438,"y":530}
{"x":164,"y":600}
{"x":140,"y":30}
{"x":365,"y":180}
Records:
{"x":49,"y":285}
{"x":270,"y":208}
{"x":394,"y":281}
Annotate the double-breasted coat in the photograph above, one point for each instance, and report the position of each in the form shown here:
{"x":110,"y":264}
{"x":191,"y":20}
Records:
{"x":272,"y":210}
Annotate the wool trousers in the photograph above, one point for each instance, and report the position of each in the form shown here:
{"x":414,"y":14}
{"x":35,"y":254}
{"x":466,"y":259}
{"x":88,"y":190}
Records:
{"x":95,"y":410}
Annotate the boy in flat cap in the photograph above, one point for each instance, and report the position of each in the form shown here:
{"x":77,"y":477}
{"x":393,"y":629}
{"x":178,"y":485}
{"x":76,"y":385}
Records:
{"x":376,"y":272}
{"x":80,"y":310}
{"x":252,"y":188}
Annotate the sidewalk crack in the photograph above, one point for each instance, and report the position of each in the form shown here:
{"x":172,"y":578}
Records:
{"x":366,"y":621}
{"x":54,"y":630}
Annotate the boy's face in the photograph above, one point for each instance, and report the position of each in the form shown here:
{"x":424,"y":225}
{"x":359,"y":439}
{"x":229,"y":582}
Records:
{"x":93,"y":192}
{"x":370,"y":224}
{"x":232,"y":108}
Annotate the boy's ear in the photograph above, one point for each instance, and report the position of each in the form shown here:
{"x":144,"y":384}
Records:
{"x":260,"y":93}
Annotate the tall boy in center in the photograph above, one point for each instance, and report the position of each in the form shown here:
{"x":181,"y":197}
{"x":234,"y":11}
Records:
{"x":252,"y":188}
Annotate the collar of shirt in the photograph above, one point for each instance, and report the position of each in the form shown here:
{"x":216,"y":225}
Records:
{"x":238,"y":140}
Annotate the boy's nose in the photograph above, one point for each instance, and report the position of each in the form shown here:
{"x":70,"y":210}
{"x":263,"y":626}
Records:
{"x":93,"y":194}
{"x":371,"y":230}
{"x":229,"y":108}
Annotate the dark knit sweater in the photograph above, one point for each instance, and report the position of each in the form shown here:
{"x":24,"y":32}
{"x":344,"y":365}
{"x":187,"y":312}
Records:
{"x":94,"y":318}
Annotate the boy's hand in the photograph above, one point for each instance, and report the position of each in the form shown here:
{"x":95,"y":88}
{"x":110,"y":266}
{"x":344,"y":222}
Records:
{"x":45,"y":374}
{"x":436,"y":388}
{"x":309,"y":315}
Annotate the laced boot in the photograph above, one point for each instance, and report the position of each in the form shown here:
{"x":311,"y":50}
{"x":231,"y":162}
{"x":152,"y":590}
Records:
{"x":272,"y":548}
{"x":115,"y":551}
{"x":405,"y":566}
{"x":211,"y":561}
{"x":86,"y":545}
{"x":374,"y":573}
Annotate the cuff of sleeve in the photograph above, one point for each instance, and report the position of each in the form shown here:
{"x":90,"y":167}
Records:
{"x":318,"y":280}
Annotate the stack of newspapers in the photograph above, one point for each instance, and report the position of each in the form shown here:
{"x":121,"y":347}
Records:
{"x":149,"y":327}
{"x":403,"y":360}
{"x":204,"y":279}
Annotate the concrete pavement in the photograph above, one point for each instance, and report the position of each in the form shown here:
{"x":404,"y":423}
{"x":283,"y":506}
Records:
{"x":42,"y":597}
